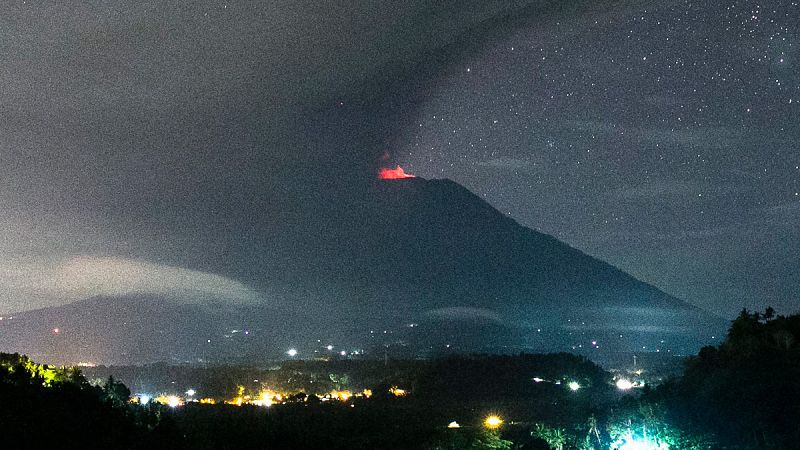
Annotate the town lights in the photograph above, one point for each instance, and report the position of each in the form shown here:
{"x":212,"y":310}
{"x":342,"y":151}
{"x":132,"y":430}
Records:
{"x":493,"y":422}
{"x":573,"y":386}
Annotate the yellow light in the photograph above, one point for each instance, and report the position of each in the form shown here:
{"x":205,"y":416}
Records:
{"x":235,"y":401}
{"x":341,"y":395}
{"x":367,"y":393}
{"x":208,"y":401}
{"x":397,"y":392}
{"x":172,"y":401}
{"x":493,"y":422}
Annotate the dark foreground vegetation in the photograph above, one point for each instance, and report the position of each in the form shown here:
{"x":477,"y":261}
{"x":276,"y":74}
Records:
{"x":742,"y":394}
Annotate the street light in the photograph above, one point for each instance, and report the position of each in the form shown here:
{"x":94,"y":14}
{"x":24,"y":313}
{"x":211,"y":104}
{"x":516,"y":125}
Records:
{"x":493,"y":422}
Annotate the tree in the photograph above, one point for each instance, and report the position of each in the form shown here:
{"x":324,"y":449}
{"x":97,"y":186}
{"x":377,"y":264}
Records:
{"x":115,"y":392}
{"x":478,"y":439}
{"x":556,"y":438}
{"x":745,"y":389}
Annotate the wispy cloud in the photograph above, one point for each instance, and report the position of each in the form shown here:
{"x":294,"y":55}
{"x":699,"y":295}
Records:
{"x":705,"y":137}
{"x":466,"y":313}
{"x":37,"y":284}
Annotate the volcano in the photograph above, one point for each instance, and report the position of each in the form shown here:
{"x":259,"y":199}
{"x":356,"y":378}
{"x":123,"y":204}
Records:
{"x":420,"y":265}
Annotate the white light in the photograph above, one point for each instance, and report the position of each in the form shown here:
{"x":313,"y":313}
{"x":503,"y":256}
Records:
{"x":191,"y":392}
{"x":624,"y":385}
{"x":574,"y":386}
{"x":330,"y":347}
{"x":343,"y":353}
{"x":453,"y":424}
{"x":173,"y":401}
{"x":144,"y":399}
{"x":292,"y":352}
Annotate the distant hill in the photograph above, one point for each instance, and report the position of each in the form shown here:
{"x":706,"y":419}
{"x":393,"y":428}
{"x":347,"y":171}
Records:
{"x":421,"y":266}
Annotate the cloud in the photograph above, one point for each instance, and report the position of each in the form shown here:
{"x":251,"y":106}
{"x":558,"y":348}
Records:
{"x":464,"y":313}
{"x":39,"y":284}
{"x":702,"y":138}
{"x":144,"y":128}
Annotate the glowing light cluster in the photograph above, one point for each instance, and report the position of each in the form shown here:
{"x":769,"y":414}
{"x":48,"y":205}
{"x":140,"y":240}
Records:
{"x":237,"y":401}
{"x":173,"y":401}
{"x":341,"y":395}
{"x":267,"y":398}
{"x":397,"y":392}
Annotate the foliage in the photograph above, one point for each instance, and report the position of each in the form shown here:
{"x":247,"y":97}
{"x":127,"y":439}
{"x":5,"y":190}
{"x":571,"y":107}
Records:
{"x":745,"y":390}
{"x":635,"y":422}
{"x":646,"y":422}
{"x":20,"y":370}
{"x":44,"y":406}
{"x":479,"y":439}
{"x":556,"y":438}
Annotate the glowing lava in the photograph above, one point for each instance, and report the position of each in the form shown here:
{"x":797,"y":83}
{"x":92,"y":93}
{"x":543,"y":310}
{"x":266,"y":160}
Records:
{"x":394,"y":174}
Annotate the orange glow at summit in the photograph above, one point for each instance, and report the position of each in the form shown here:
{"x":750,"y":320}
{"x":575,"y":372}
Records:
{"x":394,"y":174}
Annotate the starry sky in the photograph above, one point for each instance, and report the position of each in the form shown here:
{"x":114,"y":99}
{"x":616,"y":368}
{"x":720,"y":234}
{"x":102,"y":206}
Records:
{"x":139,"y":139}
{"x":663,"y":137}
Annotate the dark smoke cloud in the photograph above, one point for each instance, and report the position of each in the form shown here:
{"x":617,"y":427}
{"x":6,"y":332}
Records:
{"x":195,"y":134}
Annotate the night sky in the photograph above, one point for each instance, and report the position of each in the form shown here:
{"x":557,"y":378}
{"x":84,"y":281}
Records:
{"x":661,"y":137}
